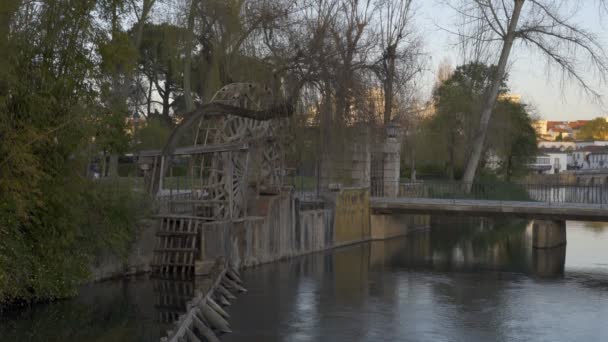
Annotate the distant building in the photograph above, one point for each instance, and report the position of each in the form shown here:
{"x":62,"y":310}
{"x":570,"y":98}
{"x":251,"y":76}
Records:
{"x":552,"y":130}
{"x":562,"y":145}
{"x":540,"y":164}
{"x":515,"y":98}
{"x":566,"y":155}
{"x":597,"y":160}
{"x":540,"y":126}
{"x":557,"y":159}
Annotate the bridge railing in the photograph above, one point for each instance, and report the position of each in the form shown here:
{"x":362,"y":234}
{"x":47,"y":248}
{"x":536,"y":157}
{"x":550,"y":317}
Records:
{"x":547,"y":193}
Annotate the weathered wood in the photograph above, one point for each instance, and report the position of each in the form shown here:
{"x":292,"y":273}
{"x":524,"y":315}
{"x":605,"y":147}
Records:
{"x":215,"y":306}
{"x":225,"y":292}
{"x":214,"y":318}
{"x":223,"y":300}
{"x":204,"y":330}
{"x":233,"y":285}
{"x":233,"y":275}
{"x":191,"y":336}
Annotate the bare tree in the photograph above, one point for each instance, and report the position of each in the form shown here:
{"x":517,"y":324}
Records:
{"x":542,"y":25}
{"x":188,"y":57}
{"x":352,"y":45}
{"x":398,"y":42}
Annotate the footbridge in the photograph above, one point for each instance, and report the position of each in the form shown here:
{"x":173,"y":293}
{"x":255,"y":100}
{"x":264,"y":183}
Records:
{"x":549,"y":205}
{"x":523,"y":209}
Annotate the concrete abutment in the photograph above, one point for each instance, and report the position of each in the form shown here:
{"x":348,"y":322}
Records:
{"x":548,"y":233}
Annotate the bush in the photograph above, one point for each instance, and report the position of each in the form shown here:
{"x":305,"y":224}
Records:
{"x":47,"y":254}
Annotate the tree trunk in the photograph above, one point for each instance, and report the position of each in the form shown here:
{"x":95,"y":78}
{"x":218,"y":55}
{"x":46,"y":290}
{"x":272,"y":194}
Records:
{"x":509,"y":166}
{"x":8,"y":10}
{"x":486,"y":114}
{"x":451,"y":155}
{"x":188,"y":58}
{"x":166,"y":106}
{"x":149,"y":99}
{"x":388,"y":89}
{"x":413,"y":164}
{"x":113,"y":167}
{"x":146,"y":7}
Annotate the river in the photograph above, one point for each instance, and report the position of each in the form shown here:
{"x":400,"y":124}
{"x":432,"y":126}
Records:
{"x":458,"y":281}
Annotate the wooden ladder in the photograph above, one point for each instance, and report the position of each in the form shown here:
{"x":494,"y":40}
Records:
{"x":176,"y":245}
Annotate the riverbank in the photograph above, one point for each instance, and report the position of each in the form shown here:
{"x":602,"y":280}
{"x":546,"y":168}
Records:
{"x":427,"y":285}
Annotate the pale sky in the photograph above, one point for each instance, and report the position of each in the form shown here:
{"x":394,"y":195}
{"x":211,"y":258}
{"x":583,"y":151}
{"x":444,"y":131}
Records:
{"x":528,"y":74}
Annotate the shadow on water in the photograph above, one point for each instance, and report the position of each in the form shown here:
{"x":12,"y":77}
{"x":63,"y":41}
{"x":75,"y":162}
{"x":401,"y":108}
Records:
{"x":137,"y":309}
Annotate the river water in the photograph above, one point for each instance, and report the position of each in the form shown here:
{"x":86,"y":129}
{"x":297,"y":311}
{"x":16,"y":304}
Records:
{"x":458,"y":281}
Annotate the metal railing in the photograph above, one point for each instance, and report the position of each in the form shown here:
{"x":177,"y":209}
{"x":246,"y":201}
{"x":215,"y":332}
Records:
{"x":502,"y":191}
{"x":305,"y":184}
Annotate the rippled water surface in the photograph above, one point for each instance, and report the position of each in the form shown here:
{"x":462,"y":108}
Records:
{"x":459,"y":281}
{"x":456,"y":282}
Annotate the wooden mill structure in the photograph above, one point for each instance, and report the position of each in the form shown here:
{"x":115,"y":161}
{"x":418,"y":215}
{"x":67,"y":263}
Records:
{"x":234,"y":151}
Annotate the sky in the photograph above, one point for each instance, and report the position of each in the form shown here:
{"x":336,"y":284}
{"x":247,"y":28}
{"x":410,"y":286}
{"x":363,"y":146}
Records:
{"x":540,"y":87}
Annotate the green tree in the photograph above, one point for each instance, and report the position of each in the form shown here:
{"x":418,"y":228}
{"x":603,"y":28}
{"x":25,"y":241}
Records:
{"x":458,"y":102}
{"x":512,"y":138}
{"x":161,"y":59}
{"x":596,"y":129}
{"x":52,"y":219}
{"x":153,"y":135}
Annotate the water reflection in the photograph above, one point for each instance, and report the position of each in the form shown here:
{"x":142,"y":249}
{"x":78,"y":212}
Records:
{"x":138,"y":309}
{"x":108,"y":311}
{"x":549,"y":262}
{"x":596,"y":227}
{"x":460,"y":281}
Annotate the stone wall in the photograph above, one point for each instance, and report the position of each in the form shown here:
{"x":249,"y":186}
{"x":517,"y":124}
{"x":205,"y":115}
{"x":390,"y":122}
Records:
{"x":280,"y":229}
{"x":138,"y":260}
{"x":351,"y":212}
{"x":393,"y":225}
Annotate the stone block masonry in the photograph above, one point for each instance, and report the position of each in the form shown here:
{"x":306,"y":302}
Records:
{"x":277,"y":227}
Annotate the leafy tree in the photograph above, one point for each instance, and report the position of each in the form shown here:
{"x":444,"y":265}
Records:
{"x":596,"y":129}
{"x":52,"y":220}
{"x":545,"y":25}
{"x":512,"y":139}
{"x":153,"y":135}
{"x":458,"y":101}
{"x":161,"y":59}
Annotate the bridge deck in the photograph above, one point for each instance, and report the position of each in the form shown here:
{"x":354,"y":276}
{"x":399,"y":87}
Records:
{"x":533,"y":210}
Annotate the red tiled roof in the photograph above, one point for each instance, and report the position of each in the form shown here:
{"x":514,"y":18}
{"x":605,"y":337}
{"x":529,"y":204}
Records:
{"x":554,"y":124}
{"x":577,"y":124}
{"x":560,"y":130}
{"x":592,"y":148}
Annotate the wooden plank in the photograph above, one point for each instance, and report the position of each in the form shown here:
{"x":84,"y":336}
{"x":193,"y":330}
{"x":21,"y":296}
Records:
{"x":175,"y":233}
{"x":175,"y":249}
{"x":200,"y":149}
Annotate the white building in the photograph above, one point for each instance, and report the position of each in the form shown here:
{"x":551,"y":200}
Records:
{"x":550,"y":161}
{"x":561,"y":145}
{"x":582,"y":144}
{"x":597,"y":160}
{"x":541,"y":164}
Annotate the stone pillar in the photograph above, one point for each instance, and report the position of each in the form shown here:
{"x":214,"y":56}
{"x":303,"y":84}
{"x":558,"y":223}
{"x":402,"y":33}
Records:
{"x":548,"y":234}
{"x":392,"y":166}
{"x":324,"y":169}
{"x":549,"y":262}
{"x":361,"y":163}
